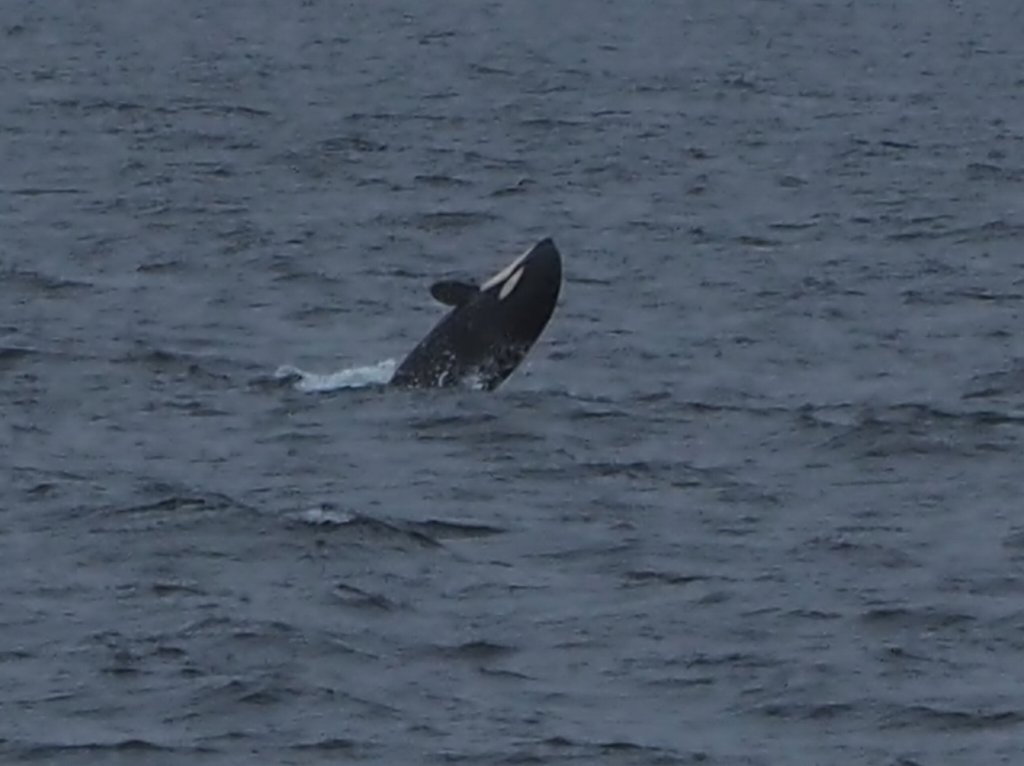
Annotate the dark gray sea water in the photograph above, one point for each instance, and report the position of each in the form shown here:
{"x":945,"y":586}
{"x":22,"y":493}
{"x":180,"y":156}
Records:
{"x":755,"y":497}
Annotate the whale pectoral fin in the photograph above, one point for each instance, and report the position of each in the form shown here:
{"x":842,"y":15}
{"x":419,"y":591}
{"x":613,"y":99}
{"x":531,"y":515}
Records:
{"x":453,"y":293}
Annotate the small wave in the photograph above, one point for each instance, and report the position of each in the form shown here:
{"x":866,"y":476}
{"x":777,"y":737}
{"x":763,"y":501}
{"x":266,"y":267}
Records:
{"x":50,"y":751}
{"x":327,"y":744}
{"x":350,"y":595}
{"x":9,"y":355}
{"x":327,"y":517}
{"x":353,"y":377}
{"x":951,"y":719}
{"x":441,"y":529}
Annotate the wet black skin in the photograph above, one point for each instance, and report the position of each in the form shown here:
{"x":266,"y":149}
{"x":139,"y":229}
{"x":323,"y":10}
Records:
{"x":484,"y":337}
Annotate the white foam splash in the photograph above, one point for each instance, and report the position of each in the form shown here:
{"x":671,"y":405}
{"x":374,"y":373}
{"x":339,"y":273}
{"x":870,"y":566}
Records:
{"x":353,"y":377}
{"x":475,"y":381}
{"x":324,"y":517}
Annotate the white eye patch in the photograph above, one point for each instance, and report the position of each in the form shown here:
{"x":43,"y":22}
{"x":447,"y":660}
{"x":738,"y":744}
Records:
{"x":510,"y":285}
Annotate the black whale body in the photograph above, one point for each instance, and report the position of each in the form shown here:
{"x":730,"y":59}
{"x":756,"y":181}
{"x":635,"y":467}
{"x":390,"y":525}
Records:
{"x":490,"y":328}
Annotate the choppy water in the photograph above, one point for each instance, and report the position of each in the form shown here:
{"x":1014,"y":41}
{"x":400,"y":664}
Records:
{"x":755,"y":498}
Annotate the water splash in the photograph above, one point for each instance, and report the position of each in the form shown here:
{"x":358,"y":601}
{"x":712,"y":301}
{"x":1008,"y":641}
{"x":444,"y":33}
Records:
{"x":352,"y":377}
{"x":322,"y":516}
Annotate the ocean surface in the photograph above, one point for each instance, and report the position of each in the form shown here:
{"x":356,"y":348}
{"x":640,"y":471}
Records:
{"x":756,"y":497}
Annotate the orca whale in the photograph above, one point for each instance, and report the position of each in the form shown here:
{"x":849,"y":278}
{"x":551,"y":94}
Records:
{"x":490,"y":328}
